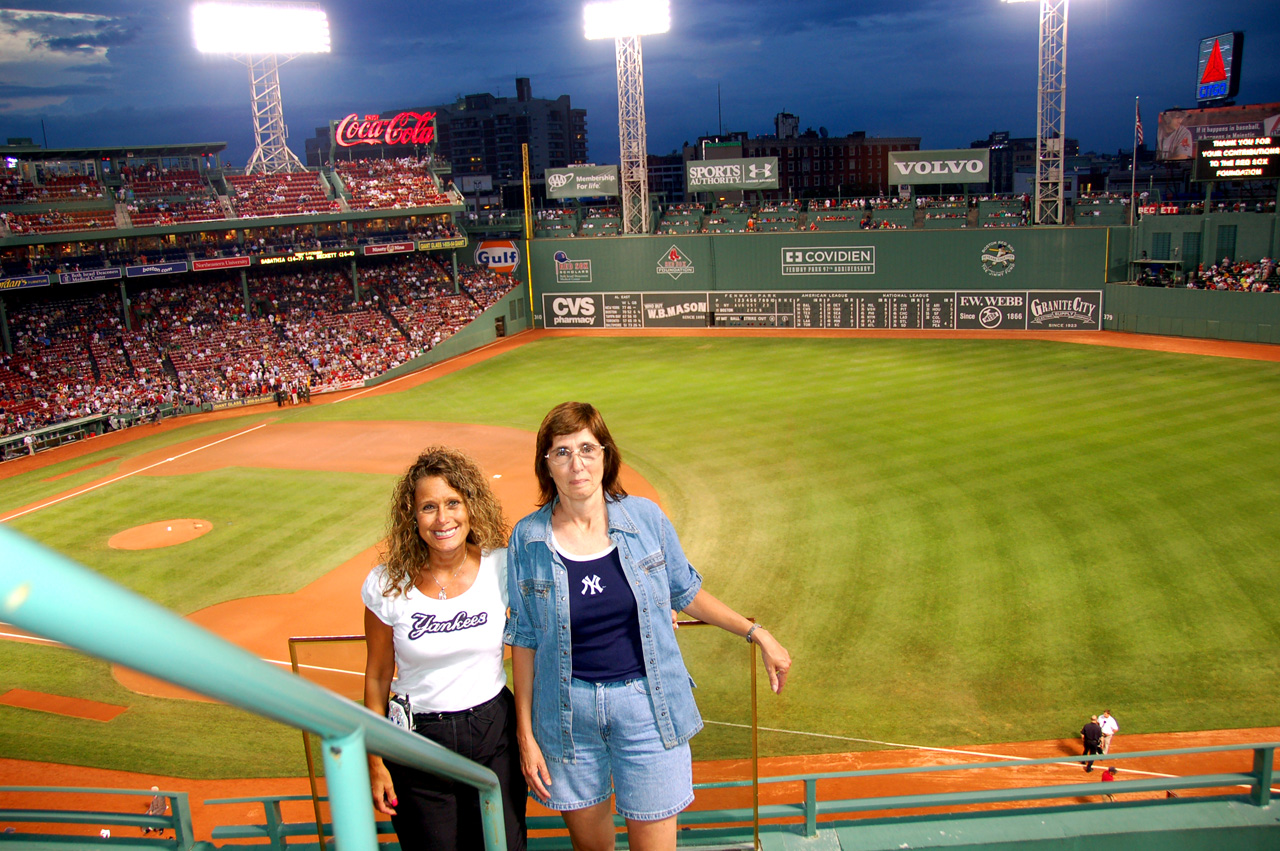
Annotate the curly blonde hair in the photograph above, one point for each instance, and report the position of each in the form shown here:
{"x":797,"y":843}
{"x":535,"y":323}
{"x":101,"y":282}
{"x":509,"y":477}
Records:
{"x":404,"y":552}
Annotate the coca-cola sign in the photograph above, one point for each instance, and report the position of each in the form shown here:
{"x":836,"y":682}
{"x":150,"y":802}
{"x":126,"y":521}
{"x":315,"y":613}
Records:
{"x":407,"y":128}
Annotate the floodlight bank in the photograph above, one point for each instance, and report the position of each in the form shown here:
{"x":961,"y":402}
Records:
{"x":260,"y":28}
{"x":624,"y":18}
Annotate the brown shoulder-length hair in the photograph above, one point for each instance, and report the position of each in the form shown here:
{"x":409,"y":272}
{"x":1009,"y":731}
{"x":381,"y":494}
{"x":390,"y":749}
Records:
{"x":404,"y":552}
{"x":567,"y":418}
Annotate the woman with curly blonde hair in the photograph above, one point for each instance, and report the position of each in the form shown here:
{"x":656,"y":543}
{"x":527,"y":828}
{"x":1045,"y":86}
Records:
{"x":434,"y":615}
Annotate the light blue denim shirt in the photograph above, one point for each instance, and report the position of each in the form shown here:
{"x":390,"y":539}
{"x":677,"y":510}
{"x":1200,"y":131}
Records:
{"x":538,"y":589}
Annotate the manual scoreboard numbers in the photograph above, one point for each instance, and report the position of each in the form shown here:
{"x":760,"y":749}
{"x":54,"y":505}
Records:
{"x":885,"y":310}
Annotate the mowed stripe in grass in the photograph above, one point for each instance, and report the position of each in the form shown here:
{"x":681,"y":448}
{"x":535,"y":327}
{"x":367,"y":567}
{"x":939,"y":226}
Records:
{"x":959,"y":541}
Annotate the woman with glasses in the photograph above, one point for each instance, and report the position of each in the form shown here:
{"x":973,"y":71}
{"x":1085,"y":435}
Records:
{"x":433,"y":620}
{"x":604,"y":705}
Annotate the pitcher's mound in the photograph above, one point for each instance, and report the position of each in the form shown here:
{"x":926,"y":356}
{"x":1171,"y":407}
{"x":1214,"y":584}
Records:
{"x":165,"y":533}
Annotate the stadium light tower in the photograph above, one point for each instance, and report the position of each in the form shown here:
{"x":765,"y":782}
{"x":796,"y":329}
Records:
{"x":263,"y":35}
{"x":625,"y":21}
{"x":1051,"y":111}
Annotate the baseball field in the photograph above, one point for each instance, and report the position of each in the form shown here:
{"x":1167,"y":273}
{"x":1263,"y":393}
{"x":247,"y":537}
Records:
{"x":960,"y":541}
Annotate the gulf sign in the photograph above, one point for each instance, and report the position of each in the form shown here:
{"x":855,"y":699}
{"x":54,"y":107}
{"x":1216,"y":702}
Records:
{"x":500,"y":255}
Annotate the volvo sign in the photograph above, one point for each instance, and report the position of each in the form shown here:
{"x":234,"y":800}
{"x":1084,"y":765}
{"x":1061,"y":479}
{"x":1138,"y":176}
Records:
{"x":968,"y":165}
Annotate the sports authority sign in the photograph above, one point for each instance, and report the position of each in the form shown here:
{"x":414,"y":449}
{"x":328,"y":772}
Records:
{"x":834,"y":260}
{"x":582,"y":181}
{"x":715,"y":175}
{"x":853,"y":309}
{"x":968,"y":165}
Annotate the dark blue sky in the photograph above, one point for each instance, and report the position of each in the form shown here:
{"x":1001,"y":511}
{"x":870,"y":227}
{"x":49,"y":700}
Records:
{"x":126,"y":72}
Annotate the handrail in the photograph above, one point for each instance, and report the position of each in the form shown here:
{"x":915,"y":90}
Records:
{"x":179,"y":819}
{"x":50,"y":595}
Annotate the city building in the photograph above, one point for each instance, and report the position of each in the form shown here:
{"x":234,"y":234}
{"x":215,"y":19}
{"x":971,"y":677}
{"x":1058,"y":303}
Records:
{"x":483,"y":134}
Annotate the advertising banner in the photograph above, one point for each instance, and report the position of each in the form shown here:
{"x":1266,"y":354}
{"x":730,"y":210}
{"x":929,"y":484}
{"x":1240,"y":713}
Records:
{"x":863,"y":309}
{"x":24,"y":282}
{"x":500,"y":255}
{"x":715,"y":175}
{"x":967,"y":165}
{"x":442,"y":242}
{"x":219,"y":263}
{"x":387,"y":248}
{"x":582,"y":181}
{"x":87,"y":275}
{"x":156,"y":269}
{"x":1180,"y":129}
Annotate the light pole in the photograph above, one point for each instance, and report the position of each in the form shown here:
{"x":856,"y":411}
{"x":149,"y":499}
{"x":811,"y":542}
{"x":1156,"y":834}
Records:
{"x":625,"y":21}
{"x":1051,"y":110}
{"x":263,"y":35}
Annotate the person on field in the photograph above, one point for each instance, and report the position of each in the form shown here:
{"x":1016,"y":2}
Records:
{"x":1110,"y":727}
{"x":1108,"y":776}
{"x":1092,"y":735}
{"x":604,"y":705}
{"x":434,"y":615}
{"x":159,"y":806}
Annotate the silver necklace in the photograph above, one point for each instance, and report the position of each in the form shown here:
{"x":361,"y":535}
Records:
{"x":443,"y":595}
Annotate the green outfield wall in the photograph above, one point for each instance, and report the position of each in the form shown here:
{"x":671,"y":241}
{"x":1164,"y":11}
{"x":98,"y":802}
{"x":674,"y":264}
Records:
{"x":1246,"y":317}
{"x":1005,"y":278}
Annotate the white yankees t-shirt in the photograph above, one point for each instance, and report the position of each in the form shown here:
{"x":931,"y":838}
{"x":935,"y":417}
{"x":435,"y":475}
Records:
{"x":448,"y":652}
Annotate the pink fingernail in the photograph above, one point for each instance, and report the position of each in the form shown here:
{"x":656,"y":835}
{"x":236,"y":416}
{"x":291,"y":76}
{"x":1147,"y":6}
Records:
{"x":394,"y":802}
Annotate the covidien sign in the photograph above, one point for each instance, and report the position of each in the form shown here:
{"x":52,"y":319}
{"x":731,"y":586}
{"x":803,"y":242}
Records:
{"x":964,"y":166}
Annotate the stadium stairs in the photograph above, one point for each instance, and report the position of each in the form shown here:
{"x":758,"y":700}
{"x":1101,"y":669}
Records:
{"x":47,"y":594}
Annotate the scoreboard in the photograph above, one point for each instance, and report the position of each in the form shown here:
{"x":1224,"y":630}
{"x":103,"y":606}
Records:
{"x":860,"y":309}
{"x":1250,"y":158}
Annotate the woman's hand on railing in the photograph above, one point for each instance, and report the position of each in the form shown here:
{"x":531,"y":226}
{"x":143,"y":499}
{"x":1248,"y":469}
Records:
{"x":534,"y":768}
{"x":384,"y":792}
{"x":777,"y":661}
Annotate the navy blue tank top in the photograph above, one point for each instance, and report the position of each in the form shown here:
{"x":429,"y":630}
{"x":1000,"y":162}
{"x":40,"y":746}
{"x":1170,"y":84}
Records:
{"x":602,"y":619}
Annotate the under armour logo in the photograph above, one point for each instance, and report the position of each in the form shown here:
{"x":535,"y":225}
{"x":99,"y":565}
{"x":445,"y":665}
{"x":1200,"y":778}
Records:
{"x":592,"y":584}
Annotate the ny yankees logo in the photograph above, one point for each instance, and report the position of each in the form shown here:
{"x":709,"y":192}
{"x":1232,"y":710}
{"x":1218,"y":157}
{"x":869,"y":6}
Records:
{"x":592,"y":584}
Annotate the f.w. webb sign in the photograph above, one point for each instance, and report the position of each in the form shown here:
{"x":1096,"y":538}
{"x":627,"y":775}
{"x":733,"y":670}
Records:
{"x":968,"y":165}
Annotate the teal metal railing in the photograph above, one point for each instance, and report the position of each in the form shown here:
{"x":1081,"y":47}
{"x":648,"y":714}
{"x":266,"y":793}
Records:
{"x":178,"y":820}
{"x":48,"y":594}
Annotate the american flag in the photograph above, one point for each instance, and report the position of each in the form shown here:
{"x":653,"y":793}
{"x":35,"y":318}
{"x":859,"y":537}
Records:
{"x":1137,"y":118}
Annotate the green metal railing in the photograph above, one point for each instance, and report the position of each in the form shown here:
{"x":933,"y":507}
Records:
{"x":48,"y":594}
{"x":179,"y":819}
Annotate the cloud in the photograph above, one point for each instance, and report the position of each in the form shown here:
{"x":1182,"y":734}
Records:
{"x":46,"y":57}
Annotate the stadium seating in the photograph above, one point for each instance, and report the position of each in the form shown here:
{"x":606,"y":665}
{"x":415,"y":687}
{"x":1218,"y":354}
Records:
{"x":193,"y":343}
{"x":391,"y":184}
{"x":294,"y":194}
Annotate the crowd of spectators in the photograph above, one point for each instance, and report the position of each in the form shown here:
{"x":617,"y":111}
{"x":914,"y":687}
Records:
{"x":195,"y":344}
{"x":1241,"y":276}
{"x":377,"y":184}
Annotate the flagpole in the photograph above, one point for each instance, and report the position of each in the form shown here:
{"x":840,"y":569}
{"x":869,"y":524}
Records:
{"x":1133,"y":169}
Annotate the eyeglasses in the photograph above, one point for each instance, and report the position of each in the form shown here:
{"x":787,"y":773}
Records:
{"x":561,"y":456}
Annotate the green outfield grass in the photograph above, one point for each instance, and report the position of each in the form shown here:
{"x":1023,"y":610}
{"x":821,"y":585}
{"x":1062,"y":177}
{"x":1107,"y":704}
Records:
{"x":959,"y":541}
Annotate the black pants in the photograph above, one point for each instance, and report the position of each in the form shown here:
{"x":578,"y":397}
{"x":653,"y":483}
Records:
{"x":436,"y":814}
{"x":1089,"y":749}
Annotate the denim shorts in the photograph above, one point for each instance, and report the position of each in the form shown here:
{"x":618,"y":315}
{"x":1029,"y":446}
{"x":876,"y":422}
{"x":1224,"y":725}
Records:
{"x":615,"y":738}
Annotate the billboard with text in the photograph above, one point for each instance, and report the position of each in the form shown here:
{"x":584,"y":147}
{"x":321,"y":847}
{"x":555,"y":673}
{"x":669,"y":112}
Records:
{"x":582,"y":181}
{"x":967,"y":165}
{"x":717,"y":175}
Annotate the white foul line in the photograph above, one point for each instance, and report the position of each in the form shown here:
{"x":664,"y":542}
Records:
{"x":126,"y":475}
{"x":982,"y":754}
